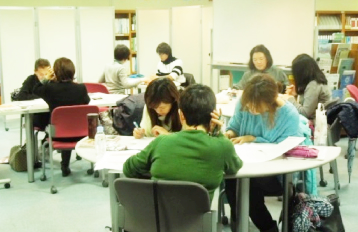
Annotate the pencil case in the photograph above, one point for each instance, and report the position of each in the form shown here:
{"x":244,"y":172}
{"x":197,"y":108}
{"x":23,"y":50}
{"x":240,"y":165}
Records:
{"x":302,"y":152}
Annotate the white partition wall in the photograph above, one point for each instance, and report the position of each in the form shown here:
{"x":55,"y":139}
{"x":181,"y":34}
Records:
{"x":153,"y":28}
{"x":285,"y":27}
{"x":207,"y":26}
{"x":57,"y":33}
{"x":17,"y":48}
{"x":97,"y":40}
{"x":187,"y":39}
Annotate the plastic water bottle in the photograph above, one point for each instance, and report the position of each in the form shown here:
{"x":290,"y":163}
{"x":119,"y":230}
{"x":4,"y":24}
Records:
{"x":100,"y":142}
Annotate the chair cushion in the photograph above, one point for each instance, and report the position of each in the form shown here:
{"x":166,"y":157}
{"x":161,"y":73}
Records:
{"x":59,"y":145}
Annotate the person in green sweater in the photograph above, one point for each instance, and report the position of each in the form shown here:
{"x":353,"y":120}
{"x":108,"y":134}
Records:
{"x":191,"y":154}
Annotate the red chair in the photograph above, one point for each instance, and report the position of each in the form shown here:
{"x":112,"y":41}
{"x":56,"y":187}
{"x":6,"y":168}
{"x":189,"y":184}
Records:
{"x":353,"y":90}
{"x":96,"y":88}
{"x":66,"y":122}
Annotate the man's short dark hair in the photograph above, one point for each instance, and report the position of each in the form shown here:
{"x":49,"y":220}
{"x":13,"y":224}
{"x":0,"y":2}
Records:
{"x":164,"y":48}
{"x":41,"y":63}
{"x":121,"y":52}
{"x":197,"y":102}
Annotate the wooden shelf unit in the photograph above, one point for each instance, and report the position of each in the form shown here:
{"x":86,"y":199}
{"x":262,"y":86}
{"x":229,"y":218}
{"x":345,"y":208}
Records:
{"x":343,"y":16}
{"x":130,"y":35}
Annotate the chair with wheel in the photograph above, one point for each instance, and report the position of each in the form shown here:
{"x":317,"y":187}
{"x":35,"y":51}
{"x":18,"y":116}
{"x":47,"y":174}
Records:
{"x":67,"y":122}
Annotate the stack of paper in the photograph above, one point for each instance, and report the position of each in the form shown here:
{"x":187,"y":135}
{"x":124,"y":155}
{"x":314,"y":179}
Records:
{"x":262,"y":152}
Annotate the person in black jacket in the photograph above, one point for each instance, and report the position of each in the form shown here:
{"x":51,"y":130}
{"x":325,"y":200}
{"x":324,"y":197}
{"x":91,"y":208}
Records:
{"x":58,"y":89}
{"x":41,"y":68}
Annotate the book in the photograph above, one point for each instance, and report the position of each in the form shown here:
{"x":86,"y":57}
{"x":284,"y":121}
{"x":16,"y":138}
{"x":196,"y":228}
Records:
{"x":342,"y":52}
{"x":324,"y":49}
{"x":324,"y":65}
{"x":337,"y":93}
{"x":345,"y":64}
{"x":347,"y":78}
{"x":333,"y":80}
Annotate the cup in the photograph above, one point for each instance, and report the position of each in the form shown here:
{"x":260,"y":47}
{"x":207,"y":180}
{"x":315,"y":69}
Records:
{"x":92,"y":119}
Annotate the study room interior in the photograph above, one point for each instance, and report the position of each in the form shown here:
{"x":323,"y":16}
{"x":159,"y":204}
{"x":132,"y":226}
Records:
{"x":91,"y":71}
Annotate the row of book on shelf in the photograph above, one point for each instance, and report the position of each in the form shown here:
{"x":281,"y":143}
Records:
{"x":351,"y":23}
{"x":347,"y":39}
{"x":132,"y":44}
{"x":329,"y":22}
{"x":345,"y":74}
{"x":121,"y":26}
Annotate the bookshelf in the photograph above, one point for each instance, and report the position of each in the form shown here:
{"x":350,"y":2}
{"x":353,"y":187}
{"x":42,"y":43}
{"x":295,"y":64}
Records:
{"x":125,"y":33}
{"x":346,"y":22}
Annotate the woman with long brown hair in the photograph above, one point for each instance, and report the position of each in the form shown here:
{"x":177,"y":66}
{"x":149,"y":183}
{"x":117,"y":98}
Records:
{"x":261,"y":116}
{"x":160,"y":114}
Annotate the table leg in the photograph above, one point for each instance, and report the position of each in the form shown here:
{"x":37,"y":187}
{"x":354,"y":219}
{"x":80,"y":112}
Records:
{"x":285,"y":201}
{"x":30,"y":146}
{"x":242,"y":205}
{"x":335,"y":176}
{"x":113,"y":200}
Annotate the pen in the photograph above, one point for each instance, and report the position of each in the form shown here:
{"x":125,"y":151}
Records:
{"x":136,"y":125}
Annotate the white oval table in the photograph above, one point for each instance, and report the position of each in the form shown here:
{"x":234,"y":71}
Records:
{"x":280,"y":165}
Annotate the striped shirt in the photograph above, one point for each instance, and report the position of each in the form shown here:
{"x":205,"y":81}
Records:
{"x":174,"y":69}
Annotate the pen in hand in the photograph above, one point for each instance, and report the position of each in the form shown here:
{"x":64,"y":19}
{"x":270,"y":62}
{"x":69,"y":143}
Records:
{"x":138,"y":132}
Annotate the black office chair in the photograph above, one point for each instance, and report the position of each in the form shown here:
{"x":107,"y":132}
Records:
{"x":189,"y":80}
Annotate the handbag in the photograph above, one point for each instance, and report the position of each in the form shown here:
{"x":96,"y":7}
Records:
{"x":106,"y":119}
{"x":320,"y":129}
{"x":17,"y":159}
{"x":302,"y":152}
{"x":334,"y":222}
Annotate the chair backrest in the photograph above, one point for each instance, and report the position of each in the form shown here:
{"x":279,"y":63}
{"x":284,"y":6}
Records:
{"x":353,"y":90}
{"x":96,"y":88}
{"x":181,"y":205}
{"x":189,"y":80}
{"x":71,"y":121}
{"x":332,"y":102}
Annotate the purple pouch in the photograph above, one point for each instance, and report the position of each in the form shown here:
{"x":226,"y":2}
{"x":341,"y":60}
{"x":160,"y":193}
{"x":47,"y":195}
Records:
{"x":302,"y":152}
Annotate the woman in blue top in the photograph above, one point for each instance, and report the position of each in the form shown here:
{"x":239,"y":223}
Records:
{"x":261,"y":116}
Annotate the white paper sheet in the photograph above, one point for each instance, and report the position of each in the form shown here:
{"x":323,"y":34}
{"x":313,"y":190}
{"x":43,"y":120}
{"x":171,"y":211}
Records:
{"x":262,"y":152}
{"x":114,"y":159}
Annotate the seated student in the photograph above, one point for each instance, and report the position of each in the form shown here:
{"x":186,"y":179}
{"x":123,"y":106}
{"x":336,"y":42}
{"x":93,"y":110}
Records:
{"x":160,"y":113}
{"x":191,"y":154}
{"x":115,"y":75}
{"x":58,"y":89}
{"x":310,"y":84}
{"x":261,"y":116}
{"x":169,"y":66}
{"x":41,"y":68}
{"x":261,"y":62}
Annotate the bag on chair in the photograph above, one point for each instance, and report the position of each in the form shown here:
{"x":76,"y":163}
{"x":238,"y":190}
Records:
{"x":320,"y":130}
{"x":17,"y":159}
